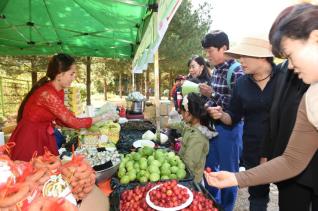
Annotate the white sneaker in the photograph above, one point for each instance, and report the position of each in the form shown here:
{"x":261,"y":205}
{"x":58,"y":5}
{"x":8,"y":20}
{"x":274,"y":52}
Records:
{"x":242,"y":168}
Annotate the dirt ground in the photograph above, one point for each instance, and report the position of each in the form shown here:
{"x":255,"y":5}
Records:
{"x":242,"y":203}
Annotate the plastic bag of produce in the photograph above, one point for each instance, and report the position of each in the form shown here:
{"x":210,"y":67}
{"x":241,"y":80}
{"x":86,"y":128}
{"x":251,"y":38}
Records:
{"x":163,"y":138}
{"x":15,"y":196}
{"x":17,"y":192}
{"x":189,"y":87}
{"x":149,"y":135}
{"x":107,"y":108}
{"x":174,"y":117}
{"x":80,"y":175}
{"x":8,"y":172}
{"x":111,"y":130}
{"x":6,"y":149}
{"x":135,"y":96}
{"x":47,"y":160}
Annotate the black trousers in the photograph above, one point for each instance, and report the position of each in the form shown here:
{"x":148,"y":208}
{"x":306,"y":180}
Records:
{"x":259,"y":195}
{"x":294,"y":196}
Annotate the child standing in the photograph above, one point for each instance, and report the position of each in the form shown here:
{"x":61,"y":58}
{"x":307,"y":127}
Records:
{"x":196,"y":132}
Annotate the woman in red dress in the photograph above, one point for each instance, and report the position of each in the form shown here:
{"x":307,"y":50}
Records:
{"x":43,"y":106}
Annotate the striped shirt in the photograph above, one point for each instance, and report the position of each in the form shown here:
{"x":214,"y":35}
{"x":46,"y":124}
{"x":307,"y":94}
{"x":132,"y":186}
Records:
{"x":222,"y":93}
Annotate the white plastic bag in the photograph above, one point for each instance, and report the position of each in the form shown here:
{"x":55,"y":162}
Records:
{"x":148,"y":135}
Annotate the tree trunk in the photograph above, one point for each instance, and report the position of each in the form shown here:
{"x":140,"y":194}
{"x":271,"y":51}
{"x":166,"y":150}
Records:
{"x":141,"y":79}
{"x":137,"y":82}
{"x":147,"y":82}
{"x":120,"y":86}
{"x":105,"y":88}
{"x":34,"y":74}
{"x":88,"y":80}
{"x":170,"y":82}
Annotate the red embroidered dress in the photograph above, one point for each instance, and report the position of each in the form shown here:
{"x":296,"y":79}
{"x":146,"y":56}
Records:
{"x":35,"y":129}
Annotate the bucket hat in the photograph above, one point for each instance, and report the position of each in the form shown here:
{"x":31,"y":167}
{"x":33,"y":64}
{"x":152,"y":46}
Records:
{"x":250,"y":46}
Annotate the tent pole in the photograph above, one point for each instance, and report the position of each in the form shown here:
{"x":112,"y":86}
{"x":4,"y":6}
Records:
{"x":88,"y":80}
{"x":157,"y":90}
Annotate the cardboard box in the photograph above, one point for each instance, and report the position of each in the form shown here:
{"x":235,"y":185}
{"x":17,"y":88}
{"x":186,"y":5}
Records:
{"x":164,"y":107}
{"x":163,"y":121}
{"x":96,"y":200}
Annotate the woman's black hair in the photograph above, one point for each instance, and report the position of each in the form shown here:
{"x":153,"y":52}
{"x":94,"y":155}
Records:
{"x":194,"y":80}
{"x":205,"y":75}
{"x":197,"y":109}
{"x":58,"y":64}
{"x":295,"y":22}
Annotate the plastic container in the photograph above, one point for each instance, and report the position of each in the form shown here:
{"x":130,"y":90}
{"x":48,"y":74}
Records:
{"x":106,"y":174}
{"x":135,"y":107}
{"x":114,"y":198}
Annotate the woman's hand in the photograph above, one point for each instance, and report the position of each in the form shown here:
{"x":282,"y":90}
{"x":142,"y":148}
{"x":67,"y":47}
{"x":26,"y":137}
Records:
{"x":215,"y":112}
{"x":221,"y":179}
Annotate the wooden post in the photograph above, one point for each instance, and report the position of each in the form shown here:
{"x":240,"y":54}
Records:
{"x":157,"y":91}
{"x":88,"y":80}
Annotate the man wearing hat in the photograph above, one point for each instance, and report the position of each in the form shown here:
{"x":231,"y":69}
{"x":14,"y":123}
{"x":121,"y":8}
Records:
{"x":252,"y":99}
{"x":224,"y":153}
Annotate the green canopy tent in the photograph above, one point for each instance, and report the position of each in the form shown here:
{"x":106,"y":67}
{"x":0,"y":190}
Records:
{"x":123,"y":29}
{"x":100,"y":28}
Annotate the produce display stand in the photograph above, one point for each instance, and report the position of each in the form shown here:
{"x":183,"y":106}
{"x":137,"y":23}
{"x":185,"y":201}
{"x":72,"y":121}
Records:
{"x":130,"y":132}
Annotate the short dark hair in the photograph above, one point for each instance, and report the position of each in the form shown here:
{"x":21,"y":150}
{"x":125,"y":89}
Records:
{"x":216,"y":38}
{"x":196,"y":108}
{"x":296,"y":22}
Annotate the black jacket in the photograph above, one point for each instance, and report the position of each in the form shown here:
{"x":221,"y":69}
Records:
{"x":288,"y":93}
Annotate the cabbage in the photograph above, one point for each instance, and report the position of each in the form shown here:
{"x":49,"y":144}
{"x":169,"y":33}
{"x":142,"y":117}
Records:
{"x":148,"y":135}
{"x":163,"y":138}
{"x":135,"y":96}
